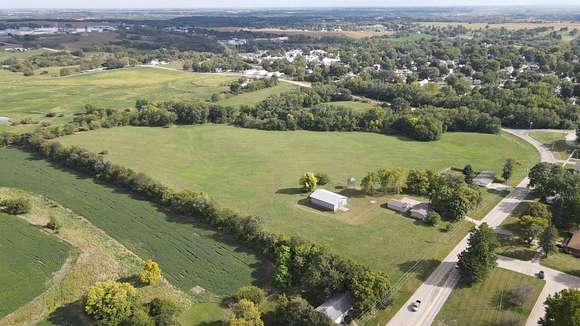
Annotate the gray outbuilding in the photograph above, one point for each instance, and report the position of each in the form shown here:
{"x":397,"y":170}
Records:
{"x":327,"y":200}
{"x":336,"y":308}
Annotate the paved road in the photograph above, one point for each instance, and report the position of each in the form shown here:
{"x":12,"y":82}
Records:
{"x":555,"y":281}
{"x":545,"y":153}
{"x":435,"y":291}
{"x":437,"y":288}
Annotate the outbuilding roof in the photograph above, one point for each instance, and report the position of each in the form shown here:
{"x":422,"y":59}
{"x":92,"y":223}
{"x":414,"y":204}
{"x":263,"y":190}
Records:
{"x":484,"y":178}
{"x":327,"y":196}
{"x":336,"y":308}
{"x":574,"y":241}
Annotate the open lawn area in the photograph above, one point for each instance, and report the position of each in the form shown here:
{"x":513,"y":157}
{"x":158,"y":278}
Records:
{"x":563,"y":262}
{"x":356,"y":106}
{"x":555,"y":141}
{"x":189,"y":254}
{"x":256,"y":172}
{"x":28,"y":259}
{"x":33,"y":97}
{"x":491,"y":302}
{"x":252,"y":98}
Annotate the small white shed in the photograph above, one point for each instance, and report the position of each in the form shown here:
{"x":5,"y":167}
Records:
{"x":327,"y":200}
{"x":336,"y":308}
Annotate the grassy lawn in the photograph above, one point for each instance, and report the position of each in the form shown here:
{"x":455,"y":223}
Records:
{"x":356,"y":106}
{"x":555,"y":141}
{"x":256,"y":172}
{"x":512,"y":245}
{"x":202,"y":314}
{"x":189,"y":254}
{"x":101,"y":257}
{"x":35,"y":96}
{"x":564,"y":262}
{"x":252,"y":98}
{"x":488,"y":303}
{"x":19,"y":55}
{"x":28,"y":257}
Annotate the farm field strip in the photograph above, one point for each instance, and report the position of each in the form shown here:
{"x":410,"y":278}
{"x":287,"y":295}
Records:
{"x":35,"y":96}
{"x":189,"y":253}
{"x":28,"y":258}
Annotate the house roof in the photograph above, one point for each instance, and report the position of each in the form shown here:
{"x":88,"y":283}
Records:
{"x":574,"y":241}
{"x":403,"y":202}
{"x":484,"y":177}
{"x":336,"y":307}
{"x":327,"y":196}
{"x":421,"y":208}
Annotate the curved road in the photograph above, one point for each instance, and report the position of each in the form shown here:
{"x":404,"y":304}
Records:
{"x":435,"y":291}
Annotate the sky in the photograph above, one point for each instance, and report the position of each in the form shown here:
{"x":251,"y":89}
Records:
{"x":8,"y":4}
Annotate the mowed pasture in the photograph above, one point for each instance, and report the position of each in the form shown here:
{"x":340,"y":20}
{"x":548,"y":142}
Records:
{"x":28,"y":259}
{"x":257,"y":172}
{"x":356,"y":106}
{"x":253,"y":98}
{"x":34,"y":97}
{"x":189,"y":254}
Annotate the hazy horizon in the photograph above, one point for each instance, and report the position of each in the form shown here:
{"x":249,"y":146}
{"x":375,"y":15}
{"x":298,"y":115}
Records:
{"x":208,"y":4}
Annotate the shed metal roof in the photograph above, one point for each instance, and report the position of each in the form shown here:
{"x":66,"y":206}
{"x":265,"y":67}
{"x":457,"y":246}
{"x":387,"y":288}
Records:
{"x":327,"y":196}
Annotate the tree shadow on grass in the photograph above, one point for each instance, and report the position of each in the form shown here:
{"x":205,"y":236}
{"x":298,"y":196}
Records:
{"x":422,"y":268}
{"x":289,"y":191}
{"x":70,"y":314}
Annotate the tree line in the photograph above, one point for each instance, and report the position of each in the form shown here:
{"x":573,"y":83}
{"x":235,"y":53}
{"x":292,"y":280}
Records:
{"x":305,"y":267}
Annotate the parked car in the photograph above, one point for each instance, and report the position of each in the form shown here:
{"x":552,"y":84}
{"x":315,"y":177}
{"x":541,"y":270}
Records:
{"x":416,"y":305}
{"x":541,"y":275}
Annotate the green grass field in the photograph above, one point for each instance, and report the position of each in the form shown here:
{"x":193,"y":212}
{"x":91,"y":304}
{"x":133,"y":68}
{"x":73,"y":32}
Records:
{"x":189,"y":254}
{"x":485,"y":303}
{"x":22,"y":97}
{"x":555,"y":141}
{"x":353,"y":105}
{"x":256,"y":172}
{"x":252,"y":98}
{"x":28,"y":258}
{"x":19,"y":55}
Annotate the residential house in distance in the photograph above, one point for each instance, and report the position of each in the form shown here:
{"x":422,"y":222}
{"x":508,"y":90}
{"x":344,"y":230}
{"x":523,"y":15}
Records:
{"x":336,"y":308}
{"x":484,"y":178}
{"x":572,"y":244}
{"x":416,"y":209}
{"x":328,"y":200}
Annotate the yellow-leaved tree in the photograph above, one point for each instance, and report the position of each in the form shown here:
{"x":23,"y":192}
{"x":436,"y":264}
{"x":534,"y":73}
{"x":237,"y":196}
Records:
{"x":150,"y":272}
{"x":110,"y":302}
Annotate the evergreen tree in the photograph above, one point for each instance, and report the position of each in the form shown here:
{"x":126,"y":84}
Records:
{"x":479,"y":258}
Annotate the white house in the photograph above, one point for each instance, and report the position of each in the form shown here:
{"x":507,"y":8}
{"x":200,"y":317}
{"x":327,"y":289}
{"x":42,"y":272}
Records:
{"x":336,"y":308}
{"x":327,"y":200}
{"x":484,"y":178}
{"x":402,"y":205}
